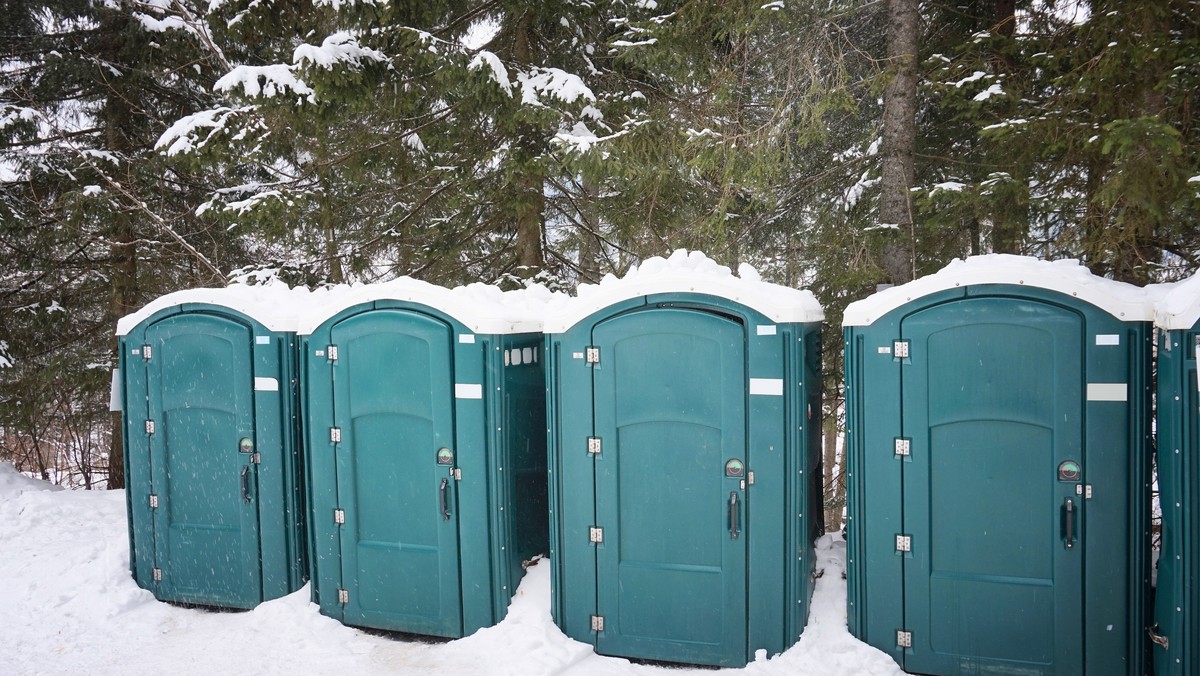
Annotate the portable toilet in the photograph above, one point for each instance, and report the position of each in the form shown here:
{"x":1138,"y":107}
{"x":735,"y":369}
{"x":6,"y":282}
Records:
{"x":208,"y":392}
{"x":424,"y":413}
{"x":998,"y":467}
{"x":1176,"y":631}
{"x":684,"y":412}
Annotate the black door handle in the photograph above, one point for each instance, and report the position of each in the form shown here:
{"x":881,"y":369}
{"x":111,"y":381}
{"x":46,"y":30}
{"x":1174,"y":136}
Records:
{"x":1069,"y":518}
{"x":733,"y":515}
{"x":442,"y":498}
{"x":246,"y":484}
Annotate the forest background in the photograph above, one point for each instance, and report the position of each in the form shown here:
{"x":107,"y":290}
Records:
{"x":153,"y":145}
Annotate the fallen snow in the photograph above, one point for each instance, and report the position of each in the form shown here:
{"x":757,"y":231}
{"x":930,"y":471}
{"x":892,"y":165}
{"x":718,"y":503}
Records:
{"x":1124,"y":301}
{"x":486,"y":59}
{"x":69,"y":606}
{"x":554,"y":83}
{"x":275,"y":305}
{"x":337,"y":49}
{"x":685,"y":272}
{"x":269,"y":81}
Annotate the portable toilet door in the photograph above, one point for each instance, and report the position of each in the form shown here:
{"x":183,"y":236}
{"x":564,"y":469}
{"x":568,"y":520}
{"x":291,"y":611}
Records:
{"x":213,"y":498}
{"x":683,"y":431}
{"x":1176,"y":630}
{"x":997,"y":441}
{"x":425,"y":453}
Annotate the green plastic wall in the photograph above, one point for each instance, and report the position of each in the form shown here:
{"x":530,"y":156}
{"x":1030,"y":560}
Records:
{"x":992,"y":398}
{"x":1177,"y":597}
{"x":670,"y":401}
{"x":438,"y":573}
{"x":220,"y":538}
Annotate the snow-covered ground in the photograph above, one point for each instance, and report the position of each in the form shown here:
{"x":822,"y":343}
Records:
{"x":69,"y":606}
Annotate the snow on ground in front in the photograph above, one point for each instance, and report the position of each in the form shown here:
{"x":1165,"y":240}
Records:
{"x":69,"y":606}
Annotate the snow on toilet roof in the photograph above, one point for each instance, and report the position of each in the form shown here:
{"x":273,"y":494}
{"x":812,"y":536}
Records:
{"x":275,"y":304}
{"x":1123,"y":301}
{"x":1176,"y":305}
{"x":483,"y":308}
{"x":685,"y":272}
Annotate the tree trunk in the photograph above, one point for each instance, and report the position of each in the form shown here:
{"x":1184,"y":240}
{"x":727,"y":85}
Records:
{"x":531,"y":201}
{"x":117,"y":117}
{"x":898,"y":145}
{"x":833,"y":506}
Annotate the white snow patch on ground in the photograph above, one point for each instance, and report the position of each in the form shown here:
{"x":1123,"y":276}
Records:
{"x":69,"y":606}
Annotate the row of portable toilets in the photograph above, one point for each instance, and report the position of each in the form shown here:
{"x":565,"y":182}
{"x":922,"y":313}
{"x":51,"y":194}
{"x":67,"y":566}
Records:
{"x":408,"y":448}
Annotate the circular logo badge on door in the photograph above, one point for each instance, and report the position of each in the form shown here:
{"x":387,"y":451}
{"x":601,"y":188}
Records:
{"x":735,"y":468}
{"x":445,"y":456}
{"x":1068,"y":471}
{"x":246,"y":445}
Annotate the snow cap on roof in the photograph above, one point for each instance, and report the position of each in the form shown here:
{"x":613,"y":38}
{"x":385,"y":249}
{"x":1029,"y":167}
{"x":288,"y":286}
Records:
{"x":1176,"y":305}
{"x":274,"y":304}
{"x":1121,"y":300}
{"x":481,"y":307}
{"x":685,"y":272}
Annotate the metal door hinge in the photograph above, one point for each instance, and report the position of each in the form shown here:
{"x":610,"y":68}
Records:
{"x":595,"y":535}
{"x":457,"y":473}
{"x":147,"y":352}
{"x":903,"y":543}
{"x":335,"y":435}
{"x":1085,"y":490}
{"x":149,"y":427}
{"x":157,"y":574}
{"x":592,"y":355}
{"x":750,"y":478}
{"x":339,"y":516}
{"x":331,"y":353}
{"x":255,"y":458}
{"x":153,"y":501}
{"x":900,"y":349}
{"x":343,"y":596}
{"x":597,"y":623}
{"x":903,"y":447}
{"x":593,"y":445}
{"x":903,"y":639}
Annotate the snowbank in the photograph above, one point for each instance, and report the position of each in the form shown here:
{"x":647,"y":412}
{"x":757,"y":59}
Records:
{"x":685,"y":272}
{"x":1121,"y":300}
{"x":13,"y":483}
{"x":69,"y":606}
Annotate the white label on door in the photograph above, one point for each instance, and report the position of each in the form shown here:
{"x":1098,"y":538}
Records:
{"x":1108,"y":339}
{"x":1107,"y":392}
{"x":266,"y":385}
{"x":766,"y":330}
{"x":884,"y":349}
{"x":466,"y":337}
{"x":772,"y":387}
{"x":262,"y":340}
{"x":468,"y":391}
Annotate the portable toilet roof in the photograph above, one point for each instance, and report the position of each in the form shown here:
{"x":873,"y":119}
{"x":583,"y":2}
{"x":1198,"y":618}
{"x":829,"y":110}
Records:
{"x":424,"y":414}
{"x":685,"y":272}
{"x":672,"y":391}
{"x":1176,"y":642}
{"x":207,"y":389}
{"x":1067,"y":276}
{"x":1004,"y":393}
{"x":275,"y":305}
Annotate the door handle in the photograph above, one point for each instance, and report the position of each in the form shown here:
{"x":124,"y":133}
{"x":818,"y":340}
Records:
{"x":246,"y":484}
{"x":733,"y":515}
{"x":1069,"y":519}
{"x":442,"y":499}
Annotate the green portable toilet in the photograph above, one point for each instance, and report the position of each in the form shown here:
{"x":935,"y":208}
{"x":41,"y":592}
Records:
{"x":1176,"y":632}
{"x":684,"y":411}
{"x":998,"y":468}
{"x":208,"y":392}
{"x":424,"y":414}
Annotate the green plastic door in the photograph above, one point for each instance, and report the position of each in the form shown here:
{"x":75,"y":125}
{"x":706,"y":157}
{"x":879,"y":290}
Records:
{"x":670,"y":411}
{"x":392,"y":403}
{"x":201,"y":399}
{"x":993,"y":405}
